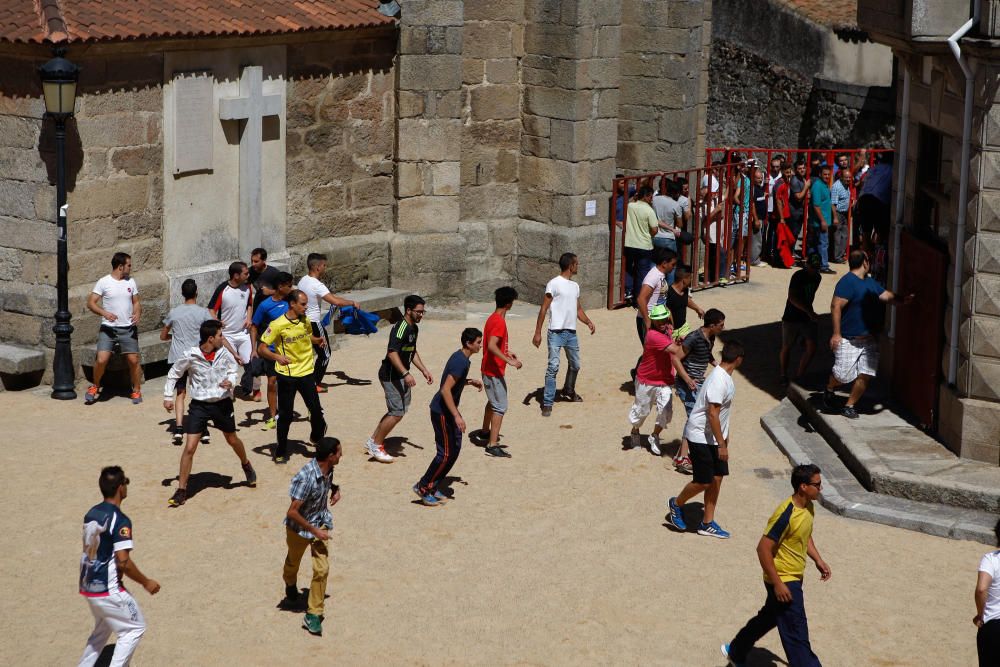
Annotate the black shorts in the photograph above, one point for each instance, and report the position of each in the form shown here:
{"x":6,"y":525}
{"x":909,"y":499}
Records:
{"x":268,"y":366}
{"x":181,"y":385}
{"x":220,"y":413}
{"x":706,"y":462}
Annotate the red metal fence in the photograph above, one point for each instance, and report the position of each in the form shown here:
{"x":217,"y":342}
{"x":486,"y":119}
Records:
{"x":719,"y":211}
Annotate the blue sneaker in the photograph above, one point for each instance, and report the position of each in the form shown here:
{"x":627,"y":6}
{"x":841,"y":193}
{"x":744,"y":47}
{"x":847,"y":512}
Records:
{"x":713,"y":530}
{"x":676,"y":516}
{"x":725,"y":652}
{"x":441,"y":498}
{"x":427,"y":499}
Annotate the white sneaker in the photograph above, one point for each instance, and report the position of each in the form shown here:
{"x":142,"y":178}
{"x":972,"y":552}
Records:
{"x":378,"y":453}
{"x":635,"y":441}
{"x":654,"y":445}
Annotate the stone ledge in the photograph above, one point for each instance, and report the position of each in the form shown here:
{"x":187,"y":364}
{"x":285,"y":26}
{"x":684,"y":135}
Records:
{"x":376,"y":299}
{"x":843,"y":494}
{"x":151,"y":350}
{"x":18,"y":360}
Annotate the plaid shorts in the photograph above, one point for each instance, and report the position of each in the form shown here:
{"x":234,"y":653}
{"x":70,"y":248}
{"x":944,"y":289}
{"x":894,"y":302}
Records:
{"x":855,"y":356}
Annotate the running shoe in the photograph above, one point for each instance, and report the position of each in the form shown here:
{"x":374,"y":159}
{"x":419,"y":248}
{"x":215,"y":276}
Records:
{"x":378,"y":452}
{"x":572,"y":396}
{"x":441,"y":497}
{"x":479,"y":436}
{"x":136,"y":397}
{"x":178,"y":437}
{"x":498,"y":452}
{"x":313,"y":625}
{"x":683,"y":465}
{"x":676,"y":516}
{"x":269,"y":424}
{"x":427,"y":499}
{"x":280,"y":459}
{"x":91,"y":395}
{"x":850,"y":412}
{"x":654,"y":445}
{"x":321,"y":389}
{"x":634,"y":441}
{"x":178,"y":499}
{"x":713,"y":529}
{"x":725,"y":652}
{"x":250,"y":473}
{"x":206,"y":438}
{"x":257,"y":398}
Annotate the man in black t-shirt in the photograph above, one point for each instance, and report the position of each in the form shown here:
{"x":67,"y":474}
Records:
{"x":394,"y":374}
{"x":262,"y":276}
{"x":678,"y":300}
{"x":800,"y":320}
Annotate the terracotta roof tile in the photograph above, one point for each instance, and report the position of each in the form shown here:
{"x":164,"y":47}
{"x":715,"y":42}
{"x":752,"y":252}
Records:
{"x":833,"y":13}
{"x":39,"y":21}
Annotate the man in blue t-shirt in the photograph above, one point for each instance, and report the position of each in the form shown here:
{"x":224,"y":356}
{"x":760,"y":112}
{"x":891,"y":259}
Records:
{"x":447,"y":420}
{"x":104,"y":564}
{"x":857,"y":311}
{"x":269,"y":310}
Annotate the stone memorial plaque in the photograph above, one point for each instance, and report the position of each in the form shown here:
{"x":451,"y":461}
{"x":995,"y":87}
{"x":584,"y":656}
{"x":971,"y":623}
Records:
{"x":193,"y":122}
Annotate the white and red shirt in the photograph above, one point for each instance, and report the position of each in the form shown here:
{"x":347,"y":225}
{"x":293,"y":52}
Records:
{"x":232,"y":304}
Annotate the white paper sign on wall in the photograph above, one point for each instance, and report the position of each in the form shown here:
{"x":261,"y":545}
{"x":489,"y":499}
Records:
{"x":590,"y":209}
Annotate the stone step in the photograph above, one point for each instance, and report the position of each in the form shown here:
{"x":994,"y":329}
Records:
{"x":843,"y":494}
{"x":377,"y":299}
{"x":151,"y":350}
{"x":18,"y":360}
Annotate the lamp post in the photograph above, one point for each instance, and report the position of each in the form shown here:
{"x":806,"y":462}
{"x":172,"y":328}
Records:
{"x":59,"y":77}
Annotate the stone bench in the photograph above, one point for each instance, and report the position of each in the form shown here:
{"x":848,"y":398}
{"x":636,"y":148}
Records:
{"x":386,"y":302}
{"x":20,"y":367}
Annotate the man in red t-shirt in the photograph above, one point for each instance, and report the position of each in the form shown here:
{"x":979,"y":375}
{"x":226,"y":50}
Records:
{"x":496,"y":356}
{"x":654,"y":379}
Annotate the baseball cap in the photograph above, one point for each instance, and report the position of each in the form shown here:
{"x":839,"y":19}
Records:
{"x":659,"y":313}
{"x":815,"y":260}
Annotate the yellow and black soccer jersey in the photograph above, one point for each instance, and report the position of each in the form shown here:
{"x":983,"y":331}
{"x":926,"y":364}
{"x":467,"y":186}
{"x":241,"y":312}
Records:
{"x":403,"y":341}
{"x":291,"y":339}
{"x":791,"y":527}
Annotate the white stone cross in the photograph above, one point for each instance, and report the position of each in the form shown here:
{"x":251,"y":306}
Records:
{"x":251,"y":107}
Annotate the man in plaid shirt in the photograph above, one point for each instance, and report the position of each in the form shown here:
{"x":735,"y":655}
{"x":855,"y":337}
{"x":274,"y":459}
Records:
{"x":308,"y":524}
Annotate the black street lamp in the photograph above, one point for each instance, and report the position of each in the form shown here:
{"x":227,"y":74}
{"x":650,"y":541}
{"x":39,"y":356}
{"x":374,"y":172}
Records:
{"x":59,"y":77}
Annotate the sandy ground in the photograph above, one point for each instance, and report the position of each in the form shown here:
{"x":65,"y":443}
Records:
{"x":556,"y":556}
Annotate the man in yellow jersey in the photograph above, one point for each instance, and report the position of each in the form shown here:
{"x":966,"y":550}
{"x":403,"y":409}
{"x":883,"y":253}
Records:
{"x":292,"y":338}
{"x":782,"y":553}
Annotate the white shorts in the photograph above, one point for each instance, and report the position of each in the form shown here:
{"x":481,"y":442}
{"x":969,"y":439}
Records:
{"x":854,"y":357}
{"x":117,"y":613}
{"x":645,"y":397}
{"x":240,"y":343}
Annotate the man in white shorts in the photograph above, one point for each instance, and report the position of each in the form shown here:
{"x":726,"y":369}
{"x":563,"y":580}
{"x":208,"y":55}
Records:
{"x":232,"y":304}
{"x":120,"y":311}
{"x":317,"y":294}
{"x":857,"y":312}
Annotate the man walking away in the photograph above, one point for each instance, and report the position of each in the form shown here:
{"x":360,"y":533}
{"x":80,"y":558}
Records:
{"x":641,"y":225}
{"x":446,"y":420}
{"x":211,"y":374}
{"x":395,"y":376}
{"x":857,"y":312}
{"x":318,"y":293}
{"x":782,"y":552}
{"x":104,"y":564}
{"x":496,"y":358}
{"x":697,"y":356}
{"x":120,"y":310}
{"x":308,"y":523}
{"x":707,"y":433}
{"x":799,"y":319}
{"x":182,"y":327}
{"x":562,"y":297}
{"x":268,"y":311}
{"x":232,"y":304}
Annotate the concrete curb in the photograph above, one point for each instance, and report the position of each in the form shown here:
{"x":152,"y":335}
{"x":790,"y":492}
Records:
{"x":843,"y":494}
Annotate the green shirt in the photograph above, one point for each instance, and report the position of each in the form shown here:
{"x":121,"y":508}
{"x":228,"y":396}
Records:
{"x":639,"y":223}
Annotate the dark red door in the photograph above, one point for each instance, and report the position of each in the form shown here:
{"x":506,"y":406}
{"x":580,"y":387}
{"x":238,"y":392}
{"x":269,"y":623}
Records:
{"x":916,"y":369}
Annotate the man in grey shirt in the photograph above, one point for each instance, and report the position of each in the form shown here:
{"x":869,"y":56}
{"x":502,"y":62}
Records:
{"x":181,"y":327}
{"x":670,"y":216}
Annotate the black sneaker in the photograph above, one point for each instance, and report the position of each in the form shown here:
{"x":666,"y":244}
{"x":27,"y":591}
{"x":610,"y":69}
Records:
{"x":291,"y":593}
{"x":828,"y":398}
{"x":498,"y":452}
{"x":178,"y":437}
{"x":250,"y":473}
{"x":178,"y":499}
{"x":849,"y":412}
{"x":572,"y":397}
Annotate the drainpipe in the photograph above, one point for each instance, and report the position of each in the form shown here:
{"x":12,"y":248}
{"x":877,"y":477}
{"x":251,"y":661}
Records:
{"x":900,"y":161}
{"x":963,"y":190}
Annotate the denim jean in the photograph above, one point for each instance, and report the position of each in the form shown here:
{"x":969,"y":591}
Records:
{"x":558,"y":340}
{"x":819,"y":242}
{"x":638,"y":262}
{"x":670,"y":244}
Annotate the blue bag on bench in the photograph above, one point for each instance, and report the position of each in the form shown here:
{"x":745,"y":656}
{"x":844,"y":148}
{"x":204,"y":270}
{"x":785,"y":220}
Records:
{"x":357,"y":322}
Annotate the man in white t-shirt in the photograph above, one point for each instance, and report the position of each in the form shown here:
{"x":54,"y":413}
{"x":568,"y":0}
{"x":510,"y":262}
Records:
{"x":317,"y":294}
{"x":987,"y":597}
{"x":562,"y":298}
{"x":707,"y":433}
{"x":120,"y":310}
{"x":232,"y":304}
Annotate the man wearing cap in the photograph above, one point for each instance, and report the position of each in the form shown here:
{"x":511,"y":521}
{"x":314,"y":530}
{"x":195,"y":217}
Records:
{"x":654,"y":379}
{"x":800,"y":320}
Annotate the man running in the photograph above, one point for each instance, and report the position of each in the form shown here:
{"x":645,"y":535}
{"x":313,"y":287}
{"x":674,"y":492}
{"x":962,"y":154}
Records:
{"x":782,"y":552}
{"x":496,"y":357}
{"x":291,"y":336}
{"x":562,"y":297}
{"x":318,"y":293}
{"x":447,"y":420}
{"x":211,"y":375}
{"x":308,"y":523}
{"x":105,"y":562}
{"x":395,"y":376}
{"x":120,"y":310}
{"x":707,"y":433}
{"x":698,"y":347}
{"x":654,"y":379}
{"x":269,"y":310}
{"x":181,"y":327}
{"x":232,"y":304}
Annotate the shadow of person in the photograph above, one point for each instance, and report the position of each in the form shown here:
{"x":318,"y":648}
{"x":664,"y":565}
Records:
{"x":294,"y":447}
{"x":299,"y":605}
{"x":693,"y":513}
{"x":199,"y":481}
{"x":394,"y":445}
{"x":627,"y":387}
{"x":445,"y":486}
{"x":762,"y":657}
{"x":535,"y":396}
{"x":346,"y":379}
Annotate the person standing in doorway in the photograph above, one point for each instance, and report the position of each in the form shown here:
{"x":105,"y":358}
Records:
{"x":268,"y":311}
{"x":104,"y":564}
{"x":395,"y":376}
{"x":291,"y":337}
{"x":232,"y":304}
{"x":496,"y":357}
{"x":799,"y":319}
{"x":120,"y":311}
{"x":707,"y":433}
{"x":318,"y":294}
{"x":562,"y":297}
{"x":182,"y":327}
{"x":782,"y":552}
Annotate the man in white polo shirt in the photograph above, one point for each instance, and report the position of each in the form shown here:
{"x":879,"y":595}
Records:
{"x":119,"y":310}
{"x":232,"y":304}
{"x":317,"y":293}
